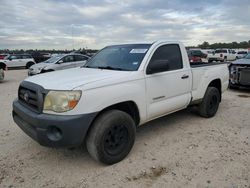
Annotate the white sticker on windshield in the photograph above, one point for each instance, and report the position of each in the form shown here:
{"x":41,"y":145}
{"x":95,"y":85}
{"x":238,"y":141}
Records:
{"x":138,"y":51}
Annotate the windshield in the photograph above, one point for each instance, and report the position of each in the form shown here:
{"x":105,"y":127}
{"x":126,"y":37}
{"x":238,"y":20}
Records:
{"x":220,"y":51}
{"x":247,"y":56}
{"x":54,"y":59}
{"x":120,"y":57}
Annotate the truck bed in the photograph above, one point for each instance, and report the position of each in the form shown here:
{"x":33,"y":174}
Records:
{"x":204,"y":73}
{"x":202,"y":64}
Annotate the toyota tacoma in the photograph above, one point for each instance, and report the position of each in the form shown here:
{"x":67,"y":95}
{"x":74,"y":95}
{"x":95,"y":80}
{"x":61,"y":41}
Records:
{"x":121,"y":88}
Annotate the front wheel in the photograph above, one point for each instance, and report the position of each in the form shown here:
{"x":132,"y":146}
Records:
{"x":112,"y":137}
{"x":210,"y":102}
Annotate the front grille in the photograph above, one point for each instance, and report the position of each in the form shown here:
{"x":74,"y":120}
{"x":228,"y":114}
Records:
{"x":245,"y":76}
{"x":31,"y":95}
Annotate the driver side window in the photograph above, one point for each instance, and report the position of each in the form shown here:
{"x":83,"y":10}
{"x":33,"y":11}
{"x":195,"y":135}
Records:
{"x":68,"y":59}
{"x":169,"y":53}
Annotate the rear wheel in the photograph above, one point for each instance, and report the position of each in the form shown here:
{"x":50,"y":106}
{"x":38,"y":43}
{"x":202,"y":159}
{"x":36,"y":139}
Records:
{"x":29,"y":64}
{"x":210,"y":102}
{"x":49,"y":70}
{"x":112,"y":137}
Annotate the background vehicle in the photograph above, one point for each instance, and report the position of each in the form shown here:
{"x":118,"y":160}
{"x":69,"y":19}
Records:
{"x":40,"y":57}
{"x":119,"y":89}
{"x":18,"y":60}
{"x":2,"y":56}
{"x":240,"y":73}
{"x":222,"y":55}
{"x":197,"y":56}
{"x":2,"y":69}
{"x":58,"y":62}
{"x":241,"y":54}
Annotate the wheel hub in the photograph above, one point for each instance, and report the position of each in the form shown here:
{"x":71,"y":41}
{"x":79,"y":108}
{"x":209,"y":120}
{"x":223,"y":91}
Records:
{"x":116,"y":139}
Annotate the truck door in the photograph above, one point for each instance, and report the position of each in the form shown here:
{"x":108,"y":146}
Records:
{"x":168,"y":89}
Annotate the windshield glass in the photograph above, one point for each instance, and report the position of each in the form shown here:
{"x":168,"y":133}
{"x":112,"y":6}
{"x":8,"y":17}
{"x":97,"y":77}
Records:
{"x":120,"y":57}
{"x":54,"y":59}
{"x":247,"y":56}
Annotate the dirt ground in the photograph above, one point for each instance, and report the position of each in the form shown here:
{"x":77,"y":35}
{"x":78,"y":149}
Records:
{"x":179,"y":150}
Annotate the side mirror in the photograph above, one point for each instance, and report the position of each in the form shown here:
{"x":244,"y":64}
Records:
{"x":157,"y":66}
{"x":10,"y":59}
{"x":60,"y":61}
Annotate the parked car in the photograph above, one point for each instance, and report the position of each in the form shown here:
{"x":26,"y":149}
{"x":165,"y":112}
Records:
{"x":18,"y":60}
{"x":241,"y":54}
{"x":197,"y":56}
{"x":120,"y":88}
{"x":222,"y":55}
{"x":240,"y":73}
{"x":2,"y":69}
{"x":2,"y":56}
{"x":58,"y":62}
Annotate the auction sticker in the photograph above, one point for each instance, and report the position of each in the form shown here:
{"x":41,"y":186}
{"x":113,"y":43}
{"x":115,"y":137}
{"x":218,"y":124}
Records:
{"x":138,"y":51}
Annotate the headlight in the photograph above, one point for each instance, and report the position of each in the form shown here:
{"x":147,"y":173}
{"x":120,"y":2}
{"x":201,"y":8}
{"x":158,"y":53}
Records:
{"x":61,"y":101}
{"x":233,"y":68}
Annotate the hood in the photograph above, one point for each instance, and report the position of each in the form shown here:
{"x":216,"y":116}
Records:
{"x":241,"y":62}
{"x":72,"y":78}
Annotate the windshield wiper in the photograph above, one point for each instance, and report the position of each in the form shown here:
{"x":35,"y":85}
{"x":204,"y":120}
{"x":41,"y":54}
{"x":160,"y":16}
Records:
{"x":105,"y":67}
{"x":111,"y":68}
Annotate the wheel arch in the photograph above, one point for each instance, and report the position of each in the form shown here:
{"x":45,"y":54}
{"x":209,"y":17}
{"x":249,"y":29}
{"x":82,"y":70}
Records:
{"x":3,"y":66}
{"x":130,"y":107}
{"x":29,"y":63}
{"x":217,"y":84}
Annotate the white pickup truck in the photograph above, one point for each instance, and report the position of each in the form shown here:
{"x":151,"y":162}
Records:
{"x":222,"y":55}
{"x":121,"y":88}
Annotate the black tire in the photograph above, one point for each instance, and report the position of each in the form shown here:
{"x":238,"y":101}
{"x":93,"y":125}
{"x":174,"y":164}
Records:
{"x":111,"y":137}
{"x":45,"y":71}
{"x":29,"y":64}
{"x":210,"y":102}
{"x":231,"y":86}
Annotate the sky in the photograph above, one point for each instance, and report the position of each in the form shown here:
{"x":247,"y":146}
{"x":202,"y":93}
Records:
{"x":67,"y":24}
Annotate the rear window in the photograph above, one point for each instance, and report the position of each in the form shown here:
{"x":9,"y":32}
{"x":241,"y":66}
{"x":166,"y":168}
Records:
{"x":26,"y":56}
{"x":196,"y":52}
{"x":220,"y":51}
{"x":242,"y":52}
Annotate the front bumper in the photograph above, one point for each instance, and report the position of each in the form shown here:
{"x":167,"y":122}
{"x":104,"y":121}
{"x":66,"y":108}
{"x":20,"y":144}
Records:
{"x":32,"y":73}
{"x":52,"y":130}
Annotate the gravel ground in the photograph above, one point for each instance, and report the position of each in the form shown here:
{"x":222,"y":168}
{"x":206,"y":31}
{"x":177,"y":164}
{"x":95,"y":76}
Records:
{"x":179,"y":150}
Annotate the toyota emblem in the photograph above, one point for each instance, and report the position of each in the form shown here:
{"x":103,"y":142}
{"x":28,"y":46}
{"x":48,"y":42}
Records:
{"x":26,"y":97}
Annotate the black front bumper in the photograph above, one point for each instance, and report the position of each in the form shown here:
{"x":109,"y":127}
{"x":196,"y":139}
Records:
{"x":52,"y":130}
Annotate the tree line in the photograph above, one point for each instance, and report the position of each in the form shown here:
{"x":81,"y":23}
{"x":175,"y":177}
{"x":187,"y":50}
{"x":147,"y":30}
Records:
{"x":204,"y":45}
{"x":231,"y":45}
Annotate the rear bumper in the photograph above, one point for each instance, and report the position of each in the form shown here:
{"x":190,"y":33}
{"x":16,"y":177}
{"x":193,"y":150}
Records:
{"x":1,"y":74}
{"x":52,"y":130}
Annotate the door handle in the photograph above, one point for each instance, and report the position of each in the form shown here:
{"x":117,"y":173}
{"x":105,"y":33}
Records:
{"x":185,"y":76}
